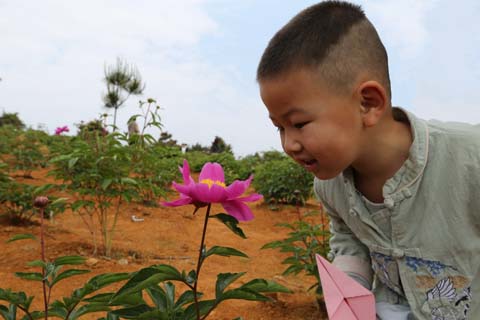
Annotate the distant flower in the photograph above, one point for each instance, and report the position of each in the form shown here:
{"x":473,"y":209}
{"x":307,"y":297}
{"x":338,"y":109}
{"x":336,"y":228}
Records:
{"x":211,"y":188}
{"x":40,"y":202}
{"x":61,"y":130}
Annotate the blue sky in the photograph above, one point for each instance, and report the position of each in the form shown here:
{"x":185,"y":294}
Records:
{"x":198,"y":59}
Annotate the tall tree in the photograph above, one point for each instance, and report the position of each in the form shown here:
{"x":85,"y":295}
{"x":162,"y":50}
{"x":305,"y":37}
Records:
{"x":123,"y":80}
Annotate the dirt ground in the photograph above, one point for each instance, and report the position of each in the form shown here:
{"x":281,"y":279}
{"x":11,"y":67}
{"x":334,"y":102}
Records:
{"x":171,"y":236}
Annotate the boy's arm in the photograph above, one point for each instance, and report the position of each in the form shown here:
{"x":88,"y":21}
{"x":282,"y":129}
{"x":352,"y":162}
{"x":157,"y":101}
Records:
{"x":348,"y":253}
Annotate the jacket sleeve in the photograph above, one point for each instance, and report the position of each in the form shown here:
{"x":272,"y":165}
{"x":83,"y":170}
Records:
{"x":348,"y":253}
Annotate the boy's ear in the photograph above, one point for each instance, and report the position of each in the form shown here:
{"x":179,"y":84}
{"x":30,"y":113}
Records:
{"x":373,"y":102}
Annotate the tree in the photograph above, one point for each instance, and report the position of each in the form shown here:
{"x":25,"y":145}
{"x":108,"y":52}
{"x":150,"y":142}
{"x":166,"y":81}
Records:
{"x":11,"y":119}
{"x":122,"y":81}
{"x":219,"y":145}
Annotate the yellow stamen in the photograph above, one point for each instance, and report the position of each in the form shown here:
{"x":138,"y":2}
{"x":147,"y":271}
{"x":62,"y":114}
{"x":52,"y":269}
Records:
{"x":210,"y":182}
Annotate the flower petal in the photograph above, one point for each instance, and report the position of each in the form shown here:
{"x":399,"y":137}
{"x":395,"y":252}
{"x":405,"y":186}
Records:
{"x":185,"y":170}
{"x":238,"y":209}
{"x":200,"y":192}
{"x":179,"y":202}
{"x":183,"y":189}
{"x":203,"y":193}
{"x":251,"y":198}
{"x":212,"y":171}
{"x":238,"y":187}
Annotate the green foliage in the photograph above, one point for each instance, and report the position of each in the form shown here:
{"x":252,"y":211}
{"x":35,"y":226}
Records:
{"x":155,"y":163}
{"x":306,"y":238}
{"x":11,"y":119}
{"x":197,"y":147}
{"x":92,"y":129}
{"x":157,"y":282}
{"x":122,"y":81}
{"x":283,"y":181}
{"x":27,"y":153}
{"x":9,"y":135}
{"x":81,"y":301}
{"x":219,"y":145}
{"x":98,"y":172}
{"x":247,"y":165}
{"x":16,"y":201}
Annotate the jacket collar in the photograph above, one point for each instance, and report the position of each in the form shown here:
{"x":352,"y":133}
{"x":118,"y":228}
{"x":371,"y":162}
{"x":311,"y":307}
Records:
{"x":413,"y":167}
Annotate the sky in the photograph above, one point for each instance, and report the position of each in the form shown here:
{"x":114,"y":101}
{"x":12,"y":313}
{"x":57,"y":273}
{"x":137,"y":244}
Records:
{"x":198,"y":59}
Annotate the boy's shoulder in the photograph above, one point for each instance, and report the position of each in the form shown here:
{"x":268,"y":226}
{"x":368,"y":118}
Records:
{"x":456,"y":138}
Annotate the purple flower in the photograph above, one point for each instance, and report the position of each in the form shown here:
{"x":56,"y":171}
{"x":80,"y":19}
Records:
{"x":211,"y":188}
{"x":61,"y":130}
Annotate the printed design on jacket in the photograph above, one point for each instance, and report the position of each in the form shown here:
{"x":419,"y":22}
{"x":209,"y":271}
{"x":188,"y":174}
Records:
{"x":447,"y":292}
{"x":435,"y":267}
{"x":386,"y":270}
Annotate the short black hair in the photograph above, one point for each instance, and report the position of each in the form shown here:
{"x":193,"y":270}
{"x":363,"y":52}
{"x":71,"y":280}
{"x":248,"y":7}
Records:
{"x":334,"y":36}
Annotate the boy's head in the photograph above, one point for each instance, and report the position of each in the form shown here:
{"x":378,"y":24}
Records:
{"x":324,"y":79}
{"x":333,"y":39}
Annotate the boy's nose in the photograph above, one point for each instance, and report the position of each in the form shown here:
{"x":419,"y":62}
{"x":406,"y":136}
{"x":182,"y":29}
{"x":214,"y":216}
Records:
{"x":290,"y":144}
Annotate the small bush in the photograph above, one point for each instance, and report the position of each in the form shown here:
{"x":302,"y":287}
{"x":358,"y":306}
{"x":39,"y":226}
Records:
{"x":11,"y":119}
{"x":283,"y":181}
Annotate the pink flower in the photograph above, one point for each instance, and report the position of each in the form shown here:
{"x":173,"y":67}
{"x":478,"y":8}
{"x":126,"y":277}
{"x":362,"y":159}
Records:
{"x":211,"y":188}
{"x":61,"y":130}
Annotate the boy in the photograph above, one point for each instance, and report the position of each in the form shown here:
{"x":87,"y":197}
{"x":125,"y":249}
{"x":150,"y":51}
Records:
{"x":401,"y":193}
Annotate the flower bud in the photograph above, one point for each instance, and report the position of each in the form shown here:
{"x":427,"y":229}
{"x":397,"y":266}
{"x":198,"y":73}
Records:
{"x":40,"y":202}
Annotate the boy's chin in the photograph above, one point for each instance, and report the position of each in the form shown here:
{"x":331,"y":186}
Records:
{"x":325,"y":175}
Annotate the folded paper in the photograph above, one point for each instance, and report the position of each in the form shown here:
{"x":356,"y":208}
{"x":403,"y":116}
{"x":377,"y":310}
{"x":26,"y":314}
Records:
{"x":344,"y":297}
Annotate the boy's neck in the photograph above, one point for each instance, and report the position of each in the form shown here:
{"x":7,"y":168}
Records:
{"x":387,"y":148}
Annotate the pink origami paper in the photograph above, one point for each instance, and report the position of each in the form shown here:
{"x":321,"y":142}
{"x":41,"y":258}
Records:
{"x":345,"y":298}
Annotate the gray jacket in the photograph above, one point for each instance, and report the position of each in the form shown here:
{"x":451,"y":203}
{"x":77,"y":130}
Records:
{"x":423,"y":248}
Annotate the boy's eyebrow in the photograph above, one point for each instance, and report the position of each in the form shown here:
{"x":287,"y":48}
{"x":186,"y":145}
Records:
{"x":289,"y":113}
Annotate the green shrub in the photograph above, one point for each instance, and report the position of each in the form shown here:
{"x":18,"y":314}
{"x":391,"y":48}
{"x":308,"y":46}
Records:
{"x":306,"y":238}
{"x":28,"y":153}
{"x":156,"y":167}
{"x":283,"y":181}
{"x":16,"y":200}
{"x":11,"y":119}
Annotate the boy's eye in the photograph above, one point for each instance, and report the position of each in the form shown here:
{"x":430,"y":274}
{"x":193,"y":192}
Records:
{"x":300,"y":125}
{"x":279,"y":129}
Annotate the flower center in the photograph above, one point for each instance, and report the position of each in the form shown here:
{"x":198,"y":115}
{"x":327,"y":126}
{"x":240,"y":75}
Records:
{"x":210,"y":183}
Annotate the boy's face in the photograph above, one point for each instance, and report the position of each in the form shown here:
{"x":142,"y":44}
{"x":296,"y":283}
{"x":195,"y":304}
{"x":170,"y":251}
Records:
{"x":319,"y":129}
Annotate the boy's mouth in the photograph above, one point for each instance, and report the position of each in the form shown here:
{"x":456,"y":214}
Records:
{"x":309,"y":164}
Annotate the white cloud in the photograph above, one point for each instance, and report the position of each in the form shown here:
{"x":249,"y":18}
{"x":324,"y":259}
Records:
{"x":401,"y":24}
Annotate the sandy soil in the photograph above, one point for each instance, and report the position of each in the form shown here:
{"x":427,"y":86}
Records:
{"x":167,"y":235}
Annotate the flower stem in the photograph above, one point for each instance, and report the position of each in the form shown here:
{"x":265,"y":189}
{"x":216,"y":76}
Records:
{"x":42,"y":245}
{"x":200,"y":260}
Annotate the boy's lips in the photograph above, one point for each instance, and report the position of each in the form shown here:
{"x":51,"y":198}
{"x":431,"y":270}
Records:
{"x":308,"y":164}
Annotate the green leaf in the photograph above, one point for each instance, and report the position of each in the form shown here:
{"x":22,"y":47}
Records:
{"x":273,"y":245}
{"x":37,"y":263}
{"x":224,"y":251}
{"x":35,"y":276}
{"x":262,"y":285}
{"x":231,"y":223}
{"x":87,"y":308}
{"x":59,"y":201}
{"x":223,"y":281}
{"x":243,"y":294}
{"x":72,"y":162}
{"x":22,"y":236}
{"x":148,"y":276}
{"x":129,"y":181}
{"x":204,"y":306}
{"x":106,"y":183}
{"x":186,"y":297}
{"x":132,"y":312}
{"x":67,"y":274}
{"x":73,"y":260}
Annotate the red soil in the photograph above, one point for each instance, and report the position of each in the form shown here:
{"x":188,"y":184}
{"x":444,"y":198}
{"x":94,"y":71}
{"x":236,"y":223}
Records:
{"x":171,"y":236}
